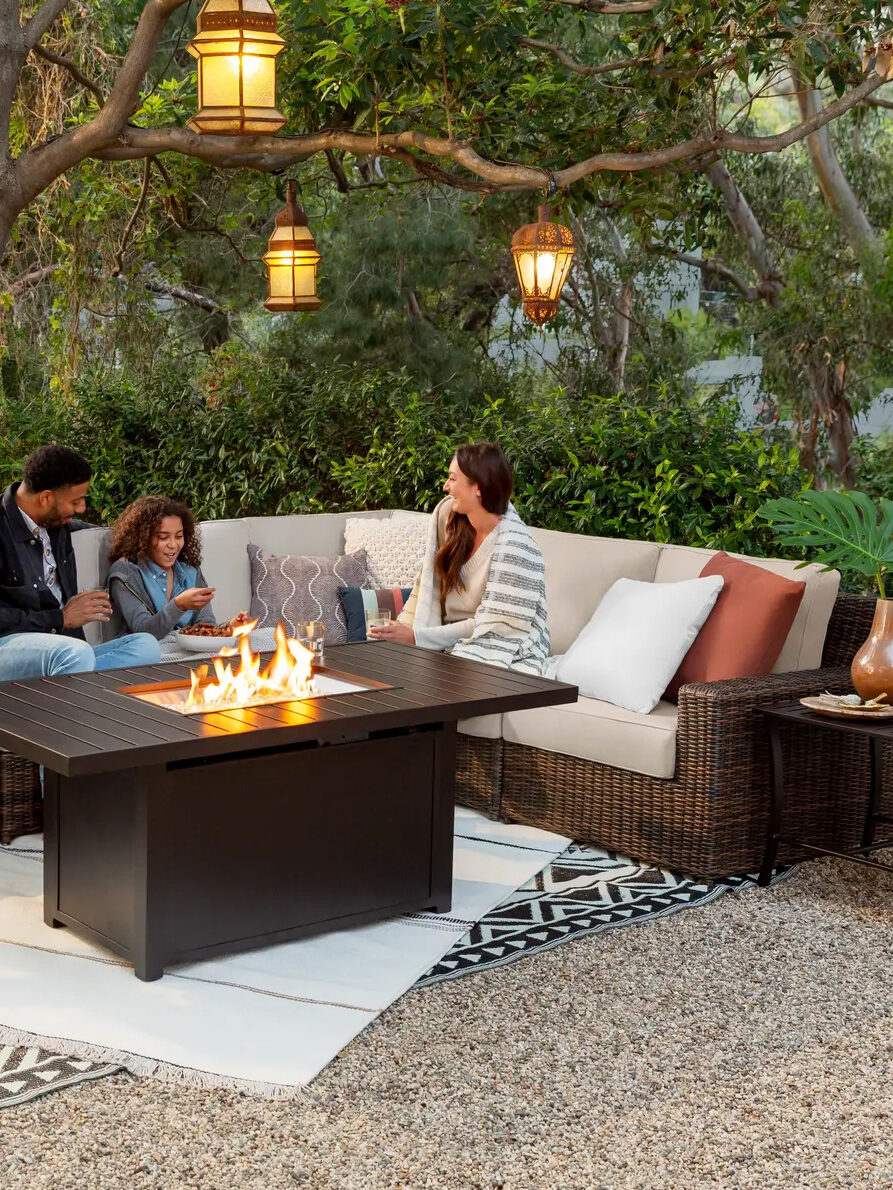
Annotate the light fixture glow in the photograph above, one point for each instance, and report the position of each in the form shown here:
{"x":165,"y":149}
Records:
{"x":236,"y":44}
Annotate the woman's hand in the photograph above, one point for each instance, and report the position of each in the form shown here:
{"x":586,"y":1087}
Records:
{"x":401,"y":633}
{"x":238,"y":620}
{"x":194,"y":598}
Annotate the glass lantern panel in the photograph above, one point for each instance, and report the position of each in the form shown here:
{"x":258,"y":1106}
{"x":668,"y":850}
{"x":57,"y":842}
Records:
{"x":258,"y":81}
{"x":304,"y":280}
{"x":280,"y":280}
{"x":545,"y":273}
{"x":565,"y":260}
{"x":219,"y":80}
{"x":526,"y":268}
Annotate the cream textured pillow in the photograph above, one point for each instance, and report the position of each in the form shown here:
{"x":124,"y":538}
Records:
{"x":395,"y":547}
{"x":636,"y":639}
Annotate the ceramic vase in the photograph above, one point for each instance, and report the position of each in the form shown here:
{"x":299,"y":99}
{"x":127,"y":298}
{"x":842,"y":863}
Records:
{"x":872,"y":669}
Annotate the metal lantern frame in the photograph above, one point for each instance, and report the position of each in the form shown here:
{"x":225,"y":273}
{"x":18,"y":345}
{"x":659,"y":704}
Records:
{"x":543,"y":253}
{"x":291,"y":255}
{"x":242,"y":33}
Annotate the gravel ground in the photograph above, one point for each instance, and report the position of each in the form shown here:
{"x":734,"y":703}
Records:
{"x":746,"y":1044}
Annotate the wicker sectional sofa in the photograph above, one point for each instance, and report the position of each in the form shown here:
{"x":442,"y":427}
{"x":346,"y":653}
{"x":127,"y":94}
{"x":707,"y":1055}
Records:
{"x":682,"y":788}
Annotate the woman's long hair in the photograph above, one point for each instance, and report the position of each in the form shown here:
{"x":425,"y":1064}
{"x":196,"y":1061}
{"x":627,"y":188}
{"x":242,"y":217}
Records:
{"x":484,"y":464}
{"x":134,"y":529}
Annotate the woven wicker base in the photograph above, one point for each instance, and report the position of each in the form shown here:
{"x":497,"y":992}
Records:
{"x":479,"y":773}
{"x":21,"y":803}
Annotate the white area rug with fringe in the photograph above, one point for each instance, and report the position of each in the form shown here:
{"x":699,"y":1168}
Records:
{"x":265,"y":1022}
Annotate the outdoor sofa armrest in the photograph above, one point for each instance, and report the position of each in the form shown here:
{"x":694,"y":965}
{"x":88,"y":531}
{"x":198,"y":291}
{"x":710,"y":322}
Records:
{"x":720,"y":738}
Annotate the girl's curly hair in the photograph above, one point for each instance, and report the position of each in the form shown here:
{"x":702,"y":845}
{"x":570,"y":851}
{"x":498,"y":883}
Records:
{"x":134,"y":529}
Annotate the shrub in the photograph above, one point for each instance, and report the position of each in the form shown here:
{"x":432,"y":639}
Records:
{"x":248,"y":437}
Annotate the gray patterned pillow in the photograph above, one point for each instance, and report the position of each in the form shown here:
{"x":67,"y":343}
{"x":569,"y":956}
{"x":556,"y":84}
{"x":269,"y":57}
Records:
{"x":290,"y":588}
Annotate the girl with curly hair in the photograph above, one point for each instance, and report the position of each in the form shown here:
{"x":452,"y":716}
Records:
{"x":155,"y":580}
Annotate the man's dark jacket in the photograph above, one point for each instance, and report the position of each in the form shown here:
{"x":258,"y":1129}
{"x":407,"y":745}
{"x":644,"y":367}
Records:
{"x":26,"y":602}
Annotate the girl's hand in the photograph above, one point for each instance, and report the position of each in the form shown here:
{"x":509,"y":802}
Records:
{"x":402,"y":634}
{"x":194,"y":599}
{"x":238,"y":620}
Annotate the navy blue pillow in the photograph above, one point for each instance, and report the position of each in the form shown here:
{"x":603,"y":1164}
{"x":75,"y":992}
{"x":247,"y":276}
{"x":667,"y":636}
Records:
{"x":356,"y":601}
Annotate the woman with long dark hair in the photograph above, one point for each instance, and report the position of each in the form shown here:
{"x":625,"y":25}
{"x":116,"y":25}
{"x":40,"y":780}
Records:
{"x":481,"y":592}
{"x":155,"y":579}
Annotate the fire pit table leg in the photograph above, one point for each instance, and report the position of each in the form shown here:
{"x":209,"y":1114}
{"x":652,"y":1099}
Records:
{"x":442,"y":820}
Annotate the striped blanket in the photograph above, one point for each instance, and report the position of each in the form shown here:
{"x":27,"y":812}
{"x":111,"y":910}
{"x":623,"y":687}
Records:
{"x":510,"y":627}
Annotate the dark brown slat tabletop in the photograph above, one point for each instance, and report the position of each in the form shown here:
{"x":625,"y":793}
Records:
{"x":82,"y":723}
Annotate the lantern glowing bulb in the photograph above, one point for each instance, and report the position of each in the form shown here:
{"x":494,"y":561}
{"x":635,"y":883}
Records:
{"x":543,"y":253}
{"x":291,"y":260}
{"x":236,"y":44}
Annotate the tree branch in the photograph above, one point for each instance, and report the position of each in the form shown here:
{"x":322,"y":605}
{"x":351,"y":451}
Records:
{"x":710,"y":265}
{"x":73,"y":69}
{"x":42,"y":20}
{"x":268,"y":153}
{"x":37,"y":276}
{"x":607,"y":9}
{"x":118,"y":265}
{"x":748,"y":229}
{"x":578,"y":67}
{"x":29,"y":280}
{"x":878,"y":102}
{"x":182,"y":295}
{"x":581,"y":68}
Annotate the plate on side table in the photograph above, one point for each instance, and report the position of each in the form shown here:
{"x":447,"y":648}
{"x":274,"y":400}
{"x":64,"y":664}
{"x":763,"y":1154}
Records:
{"x":825,"y":706}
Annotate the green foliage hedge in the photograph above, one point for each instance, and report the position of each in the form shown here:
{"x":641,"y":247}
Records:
{"x":245,"y":437}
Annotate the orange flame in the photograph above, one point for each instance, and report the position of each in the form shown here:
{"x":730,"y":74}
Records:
{"x":287,"y":676}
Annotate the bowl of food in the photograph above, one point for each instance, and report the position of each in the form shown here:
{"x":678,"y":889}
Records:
{"x":207,"y":638}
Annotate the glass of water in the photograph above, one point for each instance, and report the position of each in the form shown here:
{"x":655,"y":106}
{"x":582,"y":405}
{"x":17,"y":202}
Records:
{"x":379,"y":617}
{"x":312,"y":635}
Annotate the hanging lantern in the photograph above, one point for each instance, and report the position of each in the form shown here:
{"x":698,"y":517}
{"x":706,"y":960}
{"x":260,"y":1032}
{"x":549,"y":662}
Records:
{"x":291,"y":260}
{"x":542,"y":253}
{"x":236,"y":44}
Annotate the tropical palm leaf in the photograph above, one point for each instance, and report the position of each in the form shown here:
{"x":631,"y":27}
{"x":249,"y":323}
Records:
{"x":845,"y":530}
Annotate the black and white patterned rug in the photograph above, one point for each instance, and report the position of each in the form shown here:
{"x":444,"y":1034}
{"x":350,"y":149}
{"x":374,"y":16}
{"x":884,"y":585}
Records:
{"x":29,"y":1071}
{"x":585,"y":891}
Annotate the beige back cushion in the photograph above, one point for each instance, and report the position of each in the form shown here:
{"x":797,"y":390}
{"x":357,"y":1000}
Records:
{"x":579,"y":572}
{"x":805,"y":641}
{"x":225,"y":566}
{"x":91,"y":550}
{"x":319,"y":534}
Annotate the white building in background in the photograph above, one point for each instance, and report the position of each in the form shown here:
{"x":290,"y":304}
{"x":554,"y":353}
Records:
{"x":741,"y":375}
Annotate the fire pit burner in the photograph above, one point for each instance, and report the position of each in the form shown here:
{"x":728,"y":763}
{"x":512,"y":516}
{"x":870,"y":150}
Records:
{"x":290,"y":676}
{"x":178,"y":696}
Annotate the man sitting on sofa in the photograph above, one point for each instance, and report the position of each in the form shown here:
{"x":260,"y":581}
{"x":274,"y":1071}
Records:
{"x":42,"y":616}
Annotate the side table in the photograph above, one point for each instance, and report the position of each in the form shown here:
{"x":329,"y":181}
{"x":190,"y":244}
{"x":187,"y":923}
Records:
{"x":877,"y":733}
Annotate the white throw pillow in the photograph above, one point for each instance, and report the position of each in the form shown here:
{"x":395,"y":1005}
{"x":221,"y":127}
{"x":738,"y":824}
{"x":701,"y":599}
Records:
{"x":636,"y":639}
{"x":395,"y":547}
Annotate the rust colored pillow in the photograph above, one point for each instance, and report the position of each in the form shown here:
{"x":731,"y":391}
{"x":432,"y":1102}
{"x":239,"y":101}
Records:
{"x":747,"y":628}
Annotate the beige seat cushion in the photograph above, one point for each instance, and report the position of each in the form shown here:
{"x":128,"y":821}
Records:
{"x":803,"y":647}
{"x":579,"y":572}
{"x":483,"y":727}
{"x":600,"y":732}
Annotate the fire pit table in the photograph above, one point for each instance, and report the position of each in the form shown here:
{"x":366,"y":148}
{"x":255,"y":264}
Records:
{"x":173,"y":837}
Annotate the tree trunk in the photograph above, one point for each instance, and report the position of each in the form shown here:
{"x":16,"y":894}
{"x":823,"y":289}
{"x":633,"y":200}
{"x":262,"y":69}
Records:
{"x":829,"y":386}
{"x":746,"y":224}
{"x":623,"y":308}
{"x":834,"y":184}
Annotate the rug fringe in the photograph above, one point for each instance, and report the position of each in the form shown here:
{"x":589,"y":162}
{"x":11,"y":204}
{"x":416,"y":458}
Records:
{"x":152,"y":1068}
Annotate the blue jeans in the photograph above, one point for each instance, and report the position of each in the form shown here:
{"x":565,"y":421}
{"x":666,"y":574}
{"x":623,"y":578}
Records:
{"x":44,"y":654}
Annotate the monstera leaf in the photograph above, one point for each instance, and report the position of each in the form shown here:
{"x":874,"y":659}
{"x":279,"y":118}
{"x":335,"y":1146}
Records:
{"x":846,"y":530}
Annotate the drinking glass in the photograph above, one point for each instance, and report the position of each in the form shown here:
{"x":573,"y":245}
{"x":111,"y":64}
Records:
{"x":312,"y":635}
{"x":379,"y":618}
